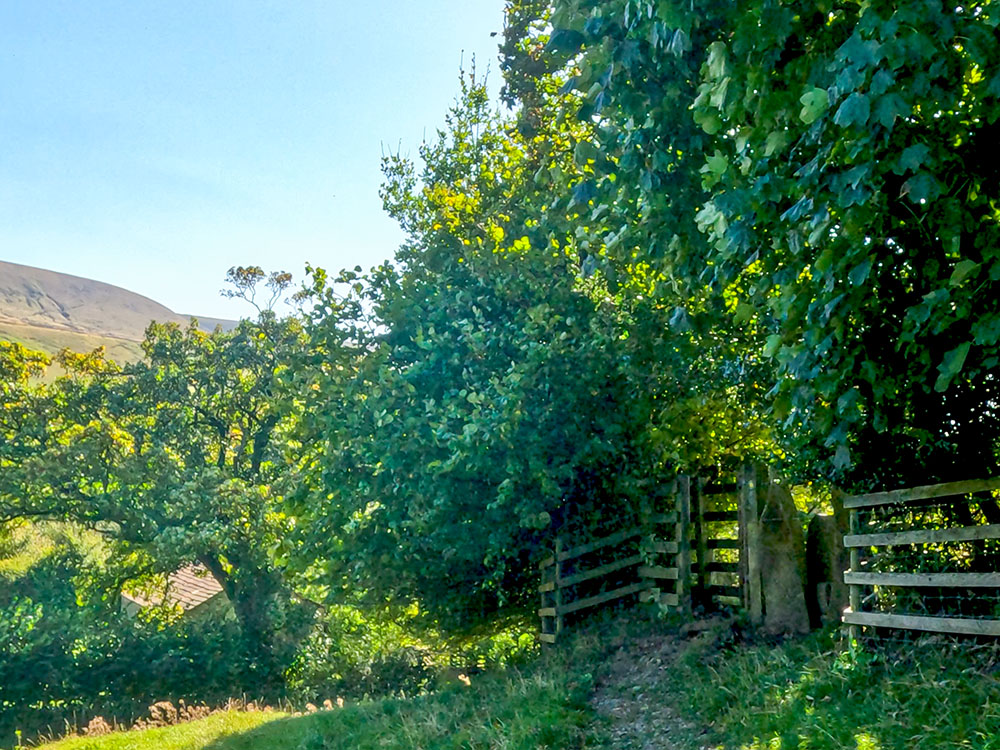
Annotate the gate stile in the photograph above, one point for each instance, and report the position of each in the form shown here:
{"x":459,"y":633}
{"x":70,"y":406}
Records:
{"x":672,"y":555}
{"x":658,"y":557}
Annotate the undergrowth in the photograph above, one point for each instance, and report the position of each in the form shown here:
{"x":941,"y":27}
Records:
{"x":817,"y":692}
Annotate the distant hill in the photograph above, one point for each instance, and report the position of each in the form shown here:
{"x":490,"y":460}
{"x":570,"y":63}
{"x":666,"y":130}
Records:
{"x":50,"y":311}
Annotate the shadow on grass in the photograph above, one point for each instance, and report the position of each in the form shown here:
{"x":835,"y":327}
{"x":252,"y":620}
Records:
{"x":511,"y":711}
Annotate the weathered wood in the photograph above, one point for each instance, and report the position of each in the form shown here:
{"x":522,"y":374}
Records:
{"x":923,"y":536}
{"x":662,"y":548}
{"x":658,"y":571}
{"x":547,"y":612}
{"x":558,"y":594}
{"x":717,"y":591}
{"x":583,"y":549}
{"x":698,"y":513}
{"x":854,"y":591}
{"x":931,"y":624}
{"x":601,"y":571}
{"x":663,"y":518}
{"x":547,"y":562}
{"x":927,"y":492}
{"x":547,"y":601}
{"x":723,"y":543}
{"x":723,"y":567}
{"x":733,"y":601}
{"x":666,"y":598}
{"x":947,"y":580}
{"x":682,"y":587}
{"x":608,"y":596}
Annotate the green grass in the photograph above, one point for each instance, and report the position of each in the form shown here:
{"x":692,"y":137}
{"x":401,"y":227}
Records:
{"x":927,"y":694}
{"x":711,"y":691}
{"x":543,"y":708}
{"x":192,"y":736}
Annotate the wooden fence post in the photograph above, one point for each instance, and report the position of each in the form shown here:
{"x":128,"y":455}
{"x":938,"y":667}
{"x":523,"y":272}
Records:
{"x":854,"y":631}
{"x":549,"y":594}
{"x":683,"y":506}
{"x":699,"y":591}
{"x":559,"y":592}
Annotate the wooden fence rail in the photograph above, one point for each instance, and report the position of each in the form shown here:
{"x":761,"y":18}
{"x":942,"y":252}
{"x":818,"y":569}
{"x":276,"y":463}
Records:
{"x":660,"y":538}
{"x":857,"y":577}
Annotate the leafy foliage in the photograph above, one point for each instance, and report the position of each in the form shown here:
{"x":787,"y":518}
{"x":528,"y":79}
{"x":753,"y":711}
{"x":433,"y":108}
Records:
{"x":820,"y":166}
{"x":175,"y":459}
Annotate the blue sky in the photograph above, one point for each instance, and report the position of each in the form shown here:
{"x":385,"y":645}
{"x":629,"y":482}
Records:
{"x":154,"y":145}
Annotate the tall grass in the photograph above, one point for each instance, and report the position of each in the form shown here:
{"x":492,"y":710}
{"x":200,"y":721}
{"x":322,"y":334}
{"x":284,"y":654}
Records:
{"x":925,"y":693}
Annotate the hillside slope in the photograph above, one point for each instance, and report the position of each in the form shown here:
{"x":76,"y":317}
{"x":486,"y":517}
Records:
{"x":50,"y":311}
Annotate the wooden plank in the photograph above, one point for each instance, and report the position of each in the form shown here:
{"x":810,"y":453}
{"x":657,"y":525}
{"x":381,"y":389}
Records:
{"x":932,"y":624}
{"x":663,"y":517}
{"x":733,"y":601}
{"x":733,"y":591}
{"x":854,"y":592}
{"x":583,"y":549}
{"x":923,"y":536}
{"x":547,"y":612}
{"x":701,"y":551}
{"x":546,"y":587}
{"x":662,"y":548}
{"x":683,"y":585}
{"x":658,"y":571}
{"x":547,"y":562}
{"x":957,"y":580}
{"x":670,"y":600}
{"x":547,"y":637}
{"x":926,"y":492}
{"x":723,"y":567}
{"x":714,"y":516}
{"x":608,"y":596}
{"x":611,"y":567}
{"x":723,"y":543}
{"x":558,"y":595}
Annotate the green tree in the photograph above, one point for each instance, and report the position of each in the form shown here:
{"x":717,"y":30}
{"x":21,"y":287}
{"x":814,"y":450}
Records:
{"x":178,"y":458}
{"x":488,"y":387}
{"x":817,"y":170}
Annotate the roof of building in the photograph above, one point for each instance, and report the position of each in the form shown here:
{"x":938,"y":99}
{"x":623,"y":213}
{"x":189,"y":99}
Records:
{"x":187,"y":587}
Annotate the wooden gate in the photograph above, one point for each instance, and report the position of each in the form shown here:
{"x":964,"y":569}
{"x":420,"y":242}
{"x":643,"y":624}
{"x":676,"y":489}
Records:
{"x":701,"y":553}
{"x":725,"y":525}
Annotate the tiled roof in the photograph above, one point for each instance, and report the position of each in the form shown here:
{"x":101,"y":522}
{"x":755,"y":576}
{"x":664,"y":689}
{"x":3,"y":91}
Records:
{"x":187,"y":587}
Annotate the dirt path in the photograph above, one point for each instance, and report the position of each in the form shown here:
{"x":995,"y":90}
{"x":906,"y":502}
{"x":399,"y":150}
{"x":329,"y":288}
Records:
{"x":632,"y":696}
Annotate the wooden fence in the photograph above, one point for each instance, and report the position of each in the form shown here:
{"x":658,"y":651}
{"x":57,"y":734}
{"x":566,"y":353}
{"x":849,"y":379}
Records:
{"x":644,"y":560}
{"x":911,"y":504}
{"x":700,"y":553}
